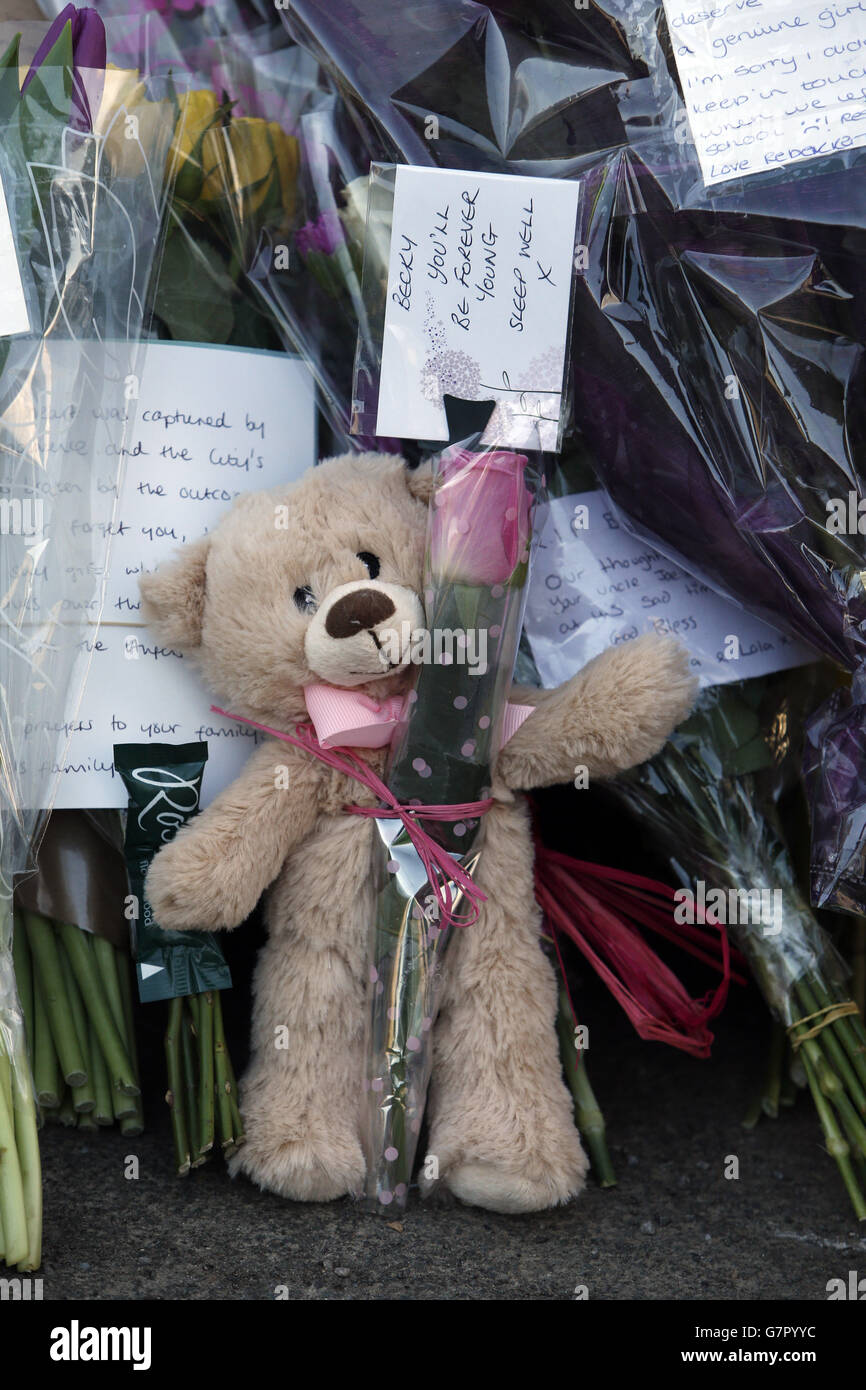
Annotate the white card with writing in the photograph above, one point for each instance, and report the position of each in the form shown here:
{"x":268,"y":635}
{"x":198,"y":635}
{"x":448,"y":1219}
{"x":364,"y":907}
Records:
{"x":769,"y":83}
{"x":595,"y":585}
{"x":210,"y":423}
{"x":478,"y":303}
{"x":13,"y":306}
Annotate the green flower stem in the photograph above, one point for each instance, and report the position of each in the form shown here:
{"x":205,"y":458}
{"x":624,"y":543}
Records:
{"x":66,"y":1113}
{"x":590,"y":1120}
{"x":846,"y":1028}
{"x":836,"y":1144}
{"x":49,"y":971}
{"x":23,"y":967}
{"x":831,"y":1087}
{"x":237,"y":1122}
{"x":206,"y":1073}
{"x":831,"y":1040}
{"x":27,"y":1140}
{"x":86,"y":1120}
{"x":789,"y":1086}
{"x":46,"y":1068}
{"x":84,"y":1098}
{"x":221,"y":1076}
{"x":103,"y":954}
{"x":174,"y":1095}
{"x":754,"y":1112}
{"x":124,"y":1106}
{"x":103,"y":1110}
{"x":767,"y":1098}
{"x":130,"y":1124}
{"x":87,"y":976}
{"x":773,"y":1084}
{"x":13,"y":1211}
{"x":190,"y":1082}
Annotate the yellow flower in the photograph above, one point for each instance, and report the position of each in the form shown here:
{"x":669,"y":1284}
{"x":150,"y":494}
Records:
{"x":135,"y":132}
{"x":254,"y":164}
{"x":199,"y":113}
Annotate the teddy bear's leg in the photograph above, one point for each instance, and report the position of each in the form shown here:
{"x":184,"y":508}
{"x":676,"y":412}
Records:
{"x":300,"y":1099}
{"x":502,"y":1128}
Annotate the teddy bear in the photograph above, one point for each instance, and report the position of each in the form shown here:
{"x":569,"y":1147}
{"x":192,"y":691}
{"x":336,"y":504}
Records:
{"x":268,"y":612}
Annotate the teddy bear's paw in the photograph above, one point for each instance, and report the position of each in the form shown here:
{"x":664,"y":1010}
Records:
{"x":313,"y":1169}
{"x":651,"y":683}
{"x":189,"y":892}
{"x":507,"y":1188}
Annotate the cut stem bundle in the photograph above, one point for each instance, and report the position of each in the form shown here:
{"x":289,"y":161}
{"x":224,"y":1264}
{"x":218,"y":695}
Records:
{"x":202,"y":1091}
{"x":80,"y":1033}
{"x":20,"y":1171}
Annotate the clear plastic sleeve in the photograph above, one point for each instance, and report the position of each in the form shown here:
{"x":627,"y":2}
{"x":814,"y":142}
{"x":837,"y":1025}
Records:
{"x":477,"y":564}
{"x":84,"y":158}
{"x":711,"y":800}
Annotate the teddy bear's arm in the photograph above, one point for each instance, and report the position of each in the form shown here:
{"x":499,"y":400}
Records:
{"x":613,"y":714}
{"x":216,"y":868}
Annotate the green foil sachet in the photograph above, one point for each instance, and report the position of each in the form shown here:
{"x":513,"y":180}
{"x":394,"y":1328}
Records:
{"x":163,"y":781}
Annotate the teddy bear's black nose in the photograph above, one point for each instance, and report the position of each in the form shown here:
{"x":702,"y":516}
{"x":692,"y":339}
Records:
{"x":357,"y":612}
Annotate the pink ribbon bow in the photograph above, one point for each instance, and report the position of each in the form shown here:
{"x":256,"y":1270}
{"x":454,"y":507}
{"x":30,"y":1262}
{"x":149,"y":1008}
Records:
{"x":442,"y":868}
{"x":347,"y":719}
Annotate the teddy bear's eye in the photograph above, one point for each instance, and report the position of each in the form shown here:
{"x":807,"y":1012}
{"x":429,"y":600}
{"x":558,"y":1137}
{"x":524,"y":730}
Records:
{"x":371,"y":561}
{"x":305,"y":600}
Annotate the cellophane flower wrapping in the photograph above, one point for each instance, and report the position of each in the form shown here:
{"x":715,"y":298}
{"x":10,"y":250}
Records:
{"x":476,"y":568}
{"x":712,"y":798}
{"x":85,"y":194}
{"x":719,"y":343}
{"x":266,"y":241}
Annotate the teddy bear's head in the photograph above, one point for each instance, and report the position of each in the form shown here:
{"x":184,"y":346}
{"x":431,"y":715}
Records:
{"x":319,"y":582}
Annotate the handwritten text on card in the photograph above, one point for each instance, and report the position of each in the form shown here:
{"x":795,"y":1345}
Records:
{"x":769,"y":83}
{"x":211,"y":423}
{"x":479,"y":292}
{"x":594,"y":585}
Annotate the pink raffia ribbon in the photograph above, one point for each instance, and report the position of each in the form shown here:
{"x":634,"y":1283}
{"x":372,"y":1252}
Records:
{"x":442,"y":868}
{"x":605,"y":911}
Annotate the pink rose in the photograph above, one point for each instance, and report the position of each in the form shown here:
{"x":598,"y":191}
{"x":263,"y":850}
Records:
{"x":481,"y":516}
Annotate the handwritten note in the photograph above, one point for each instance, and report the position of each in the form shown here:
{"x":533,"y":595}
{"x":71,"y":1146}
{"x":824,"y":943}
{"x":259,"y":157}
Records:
{"x":211,"y":423}
{"x":594,"y":585}
{"x":13,"y":306}
{"x":478,"y":302}
{"x":769,"y":83}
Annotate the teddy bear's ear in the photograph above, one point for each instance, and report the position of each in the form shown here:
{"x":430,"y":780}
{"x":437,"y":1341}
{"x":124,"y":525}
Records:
{"x":420,"y":481}
{"x":173,"y":596}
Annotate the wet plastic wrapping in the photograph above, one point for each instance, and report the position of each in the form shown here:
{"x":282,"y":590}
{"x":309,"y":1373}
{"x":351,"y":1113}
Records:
{"x":84,"y":188}
{"x":266,"y":240}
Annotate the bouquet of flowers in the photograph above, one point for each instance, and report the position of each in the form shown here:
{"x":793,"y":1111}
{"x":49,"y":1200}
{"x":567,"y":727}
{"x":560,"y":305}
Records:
{"x":712,"y":798}
{"x":82,"y":206}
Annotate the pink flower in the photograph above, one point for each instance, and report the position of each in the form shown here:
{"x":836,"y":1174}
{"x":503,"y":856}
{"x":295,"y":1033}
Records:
{"x":481,"y":516}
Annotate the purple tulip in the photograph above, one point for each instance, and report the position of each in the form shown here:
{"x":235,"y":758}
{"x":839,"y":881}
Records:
{"x":88,"y":57}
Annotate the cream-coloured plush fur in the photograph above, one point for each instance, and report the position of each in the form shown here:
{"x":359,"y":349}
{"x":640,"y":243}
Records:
{"x":500,"y":1115}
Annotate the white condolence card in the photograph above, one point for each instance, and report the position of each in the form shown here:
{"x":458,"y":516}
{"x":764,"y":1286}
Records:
{"x":211,"y":423}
